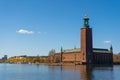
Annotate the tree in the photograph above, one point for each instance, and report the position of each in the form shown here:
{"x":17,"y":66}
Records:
{"x":52,"y":52}
{"x":51,"y":55}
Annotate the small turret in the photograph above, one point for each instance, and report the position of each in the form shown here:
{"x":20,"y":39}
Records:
{"x":111,"y":49}
{"x":61,"y":50}
{"x":74,"y":47}
{"x":61,"y":54}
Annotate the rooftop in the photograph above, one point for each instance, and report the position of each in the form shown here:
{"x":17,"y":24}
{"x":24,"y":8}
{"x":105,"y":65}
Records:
{"x":95,"y":50}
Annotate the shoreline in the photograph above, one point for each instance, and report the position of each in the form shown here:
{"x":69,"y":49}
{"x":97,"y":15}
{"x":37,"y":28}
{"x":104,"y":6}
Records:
{"x":65,"y":64}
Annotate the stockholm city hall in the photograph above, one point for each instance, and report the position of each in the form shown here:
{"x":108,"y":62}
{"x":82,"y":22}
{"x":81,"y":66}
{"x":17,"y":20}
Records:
{"x":86,"y":54}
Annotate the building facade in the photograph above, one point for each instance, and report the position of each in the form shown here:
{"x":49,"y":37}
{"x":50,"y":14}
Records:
{"x":86,"y":54}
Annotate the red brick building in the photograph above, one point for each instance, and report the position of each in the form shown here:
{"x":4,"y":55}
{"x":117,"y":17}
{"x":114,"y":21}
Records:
{"x":86,"y":54}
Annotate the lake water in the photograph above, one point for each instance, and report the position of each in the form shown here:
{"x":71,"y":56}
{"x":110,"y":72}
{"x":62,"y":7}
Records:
{"x":45,"y":72}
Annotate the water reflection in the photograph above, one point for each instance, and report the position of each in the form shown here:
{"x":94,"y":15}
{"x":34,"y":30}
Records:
{"x":45,"y":72}
{"x":86,"y":72}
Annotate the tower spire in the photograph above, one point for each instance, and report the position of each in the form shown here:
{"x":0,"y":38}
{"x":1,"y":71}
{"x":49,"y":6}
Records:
{"x":111,"y":49}
{"x":61,"y":54}
{"x":86,"y":21}
{"x":61,"y":49}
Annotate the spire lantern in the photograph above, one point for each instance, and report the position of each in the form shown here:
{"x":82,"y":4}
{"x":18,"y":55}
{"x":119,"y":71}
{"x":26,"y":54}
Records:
{"x":86,"y":21}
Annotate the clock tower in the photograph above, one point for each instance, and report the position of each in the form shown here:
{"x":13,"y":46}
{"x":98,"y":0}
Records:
{"x":86,"y":41}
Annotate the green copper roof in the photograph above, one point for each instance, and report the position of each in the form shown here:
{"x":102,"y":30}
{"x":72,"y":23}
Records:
{"x":100,"y":49}
{"x":95,"y":50}
{"x":72,"y":50}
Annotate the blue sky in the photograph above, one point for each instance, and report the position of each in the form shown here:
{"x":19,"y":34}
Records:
{"x":32,"y":27}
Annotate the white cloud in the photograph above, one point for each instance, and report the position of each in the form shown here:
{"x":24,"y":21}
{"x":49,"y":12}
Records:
{"x":23,"y":31}
{"x":107,"y":41}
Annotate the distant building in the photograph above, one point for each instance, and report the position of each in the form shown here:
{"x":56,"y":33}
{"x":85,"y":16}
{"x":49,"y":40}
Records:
{"x":5,"y":57}
{"x":86,"y":54}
